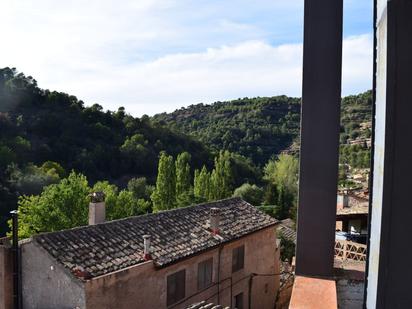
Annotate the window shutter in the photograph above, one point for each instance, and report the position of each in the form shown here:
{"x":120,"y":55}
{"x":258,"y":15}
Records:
{"x":176,"y":287}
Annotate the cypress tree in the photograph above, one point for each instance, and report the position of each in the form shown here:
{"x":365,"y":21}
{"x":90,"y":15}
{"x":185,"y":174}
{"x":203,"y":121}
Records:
{"x":164,"y":196}
{"x":183,"y":181}
{"x":221,"y":178}
{"x":202,"y":184}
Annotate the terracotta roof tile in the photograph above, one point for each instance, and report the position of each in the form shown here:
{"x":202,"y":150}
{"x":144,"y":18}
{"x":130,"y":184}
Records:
{"x":100,"y":249}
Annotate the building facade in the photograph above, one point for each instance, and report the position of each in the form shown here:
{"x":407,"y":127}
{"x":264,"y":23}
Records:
{"x":223,"y":252}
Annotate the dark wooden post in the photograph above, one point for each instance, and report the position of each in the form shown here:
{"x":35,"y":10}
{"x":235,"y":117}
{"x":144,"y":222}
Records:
{"x":16,"y":270}
{"x":321,"y":96}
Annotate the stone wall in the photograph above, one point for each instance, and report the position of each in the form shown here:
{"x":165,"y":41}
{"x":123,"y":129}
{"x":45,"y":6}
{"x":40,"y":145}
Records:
{"x":45,"y":283}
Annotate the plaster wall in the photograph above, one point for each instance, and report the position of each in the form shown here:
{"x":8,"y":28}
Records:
{"x":6,"y":278}
{"x":144,"y":286}
{"x":379,"y":155}
{"x":45,"y":283}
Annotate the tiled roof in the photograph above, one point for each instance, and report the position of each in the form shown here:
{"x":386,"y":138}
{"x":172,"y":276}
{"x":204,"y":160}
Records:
{"x":92,"y":251}
{"x":361,"y":209}
{"x":286,"y":229}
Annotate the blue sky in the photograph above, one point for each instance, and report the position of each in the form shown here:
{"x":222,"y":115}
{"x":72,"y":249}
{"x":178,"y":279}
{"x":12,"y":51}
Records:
{"x":152,"y":56}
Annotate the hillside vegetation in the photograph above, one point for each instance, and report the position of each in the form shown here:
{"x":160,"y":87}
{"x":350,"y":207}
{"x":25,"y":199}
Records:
{"x":256,"y":128}
{"x":259,"y":128}
{"x":46,"y":134}
{"x":54,"y":150}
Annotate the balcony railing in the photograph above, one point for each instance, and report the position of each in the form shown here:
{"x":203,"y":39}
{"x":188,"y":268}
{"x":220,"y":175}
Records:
{"x":349,"y":250}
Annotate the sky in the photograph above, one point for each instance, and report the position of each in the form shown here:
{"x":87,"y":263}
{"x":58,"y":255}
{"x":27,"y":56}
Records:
{"x":153,"y":56}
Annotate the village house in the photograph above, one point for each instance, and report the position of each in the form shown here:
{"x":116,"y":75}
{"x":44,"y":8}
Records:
{"x":222,"y":252}
{"x":352,"y":215}
{"x":287,"y":228}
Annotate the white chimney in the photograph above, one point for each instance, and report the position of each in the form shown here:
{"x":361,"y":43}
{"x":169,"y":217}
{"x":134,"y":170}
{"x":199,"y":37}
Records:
{"x":97,"y":208}
{"x":214,"y":220}
{"x":146,"y":244}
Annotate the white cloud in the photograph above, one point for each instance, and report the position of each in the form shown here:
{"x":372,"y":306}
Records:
{"x":357,"y":68}
{"x":145,"y":56}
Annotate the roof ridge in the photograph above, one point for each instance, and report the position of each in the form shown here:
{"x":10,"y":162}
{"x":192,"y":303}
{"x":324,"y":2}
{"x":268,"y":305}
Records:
{"x":146,"y":215}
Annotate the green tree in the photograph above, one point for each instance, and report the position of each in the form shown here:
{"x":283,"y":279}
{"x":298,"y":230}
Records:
{"x":183,"y":180}
{"x":221,"y":178}
{"x":31,"y":179}
{"x":202,"y":184}
{"x":59,"y":206}
{"x":127,"y":205}
{"x":281,"y":191}
{"x":140,"y":188}
{"x":250,"y":193}
{"x":287,"y":248}
{"x":283,"y":171}
{"x":52,"y":168}
{"x":164,"y":196}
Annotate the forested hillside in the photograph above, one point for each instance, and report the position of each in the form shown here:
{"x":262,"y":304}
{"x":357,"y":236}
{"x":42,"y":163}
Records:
{"x":54,"y":151}
{"x":356,"y":116}
{"x":40,"y":129}
{"x":257,"y":128}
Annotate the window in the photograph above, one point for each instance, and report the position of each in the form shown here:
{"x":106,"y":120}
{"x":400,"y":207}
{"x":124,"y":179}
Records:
{"x":238,"y":258}
{"x":204,"y":274}
{"x":239,"y":301}
{"x":176,"y":285}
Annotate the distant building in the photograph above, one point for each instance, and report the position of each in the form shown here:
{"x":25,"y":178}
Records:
{"x":222,"y":252}
{"x":365,"y":142}
{"x":286,"y":228}
{"x":352,"y":215}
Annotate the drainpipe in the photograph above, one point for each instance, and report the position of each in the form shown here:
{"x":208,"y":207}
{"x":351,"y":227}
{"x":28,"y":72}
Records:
{"x":218,"y":274}
{"x":16,"y":262}
{"x":250,"y":290}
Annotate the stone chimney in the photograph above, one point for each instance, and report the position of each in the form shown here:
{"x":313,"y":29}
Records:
{"x":214,"y":220}
{"x":97,"y":208}
{"x":146,"y":244}
{"x":343,"y":201}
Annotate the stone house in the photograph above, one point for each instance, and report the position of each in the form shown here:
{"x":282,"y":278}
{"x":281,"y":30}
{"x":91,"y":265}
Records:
{"x":352,"y":214}
{"x":222,"y":252}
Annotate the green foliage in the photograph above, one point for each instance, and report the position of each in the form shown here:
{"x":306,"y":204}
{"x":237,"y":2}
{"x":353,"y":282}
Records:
{"x":140,"y":188}
{"x":31,"y":179}
{"x":287,"y":248}
{"x":281,"y":190}
{"x":65,"y":205}
{"x":250,"y":193}
{"x":183,"y":180}
{"x":53,"y":168}
{"x":254,"y":128}
{"x":357,"y":156}
{"x":355,"y":110}
{"x":59,"y":206}
{"x":43,"y":134}
{"x":283,"y":171}
{"x":39,"y":125}
{"x":164,"y":196}
{"x":244,"y":170}
{"x":202,"y":185}
{"x":222,"y":178}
